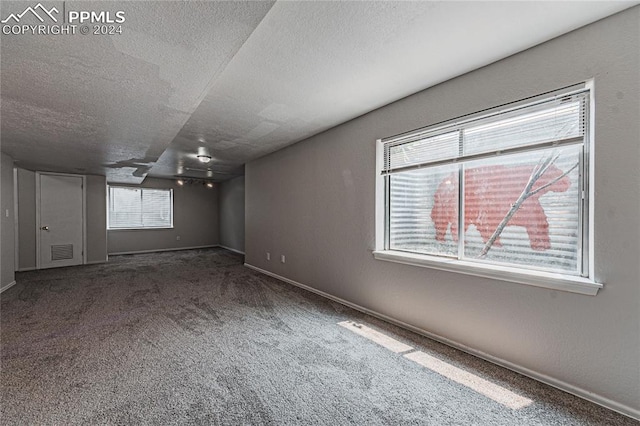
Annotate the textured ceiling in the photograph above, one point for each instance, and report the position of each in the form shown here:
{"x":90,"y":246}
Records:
{"x":112,"y":104}
{"x":239,"y":80}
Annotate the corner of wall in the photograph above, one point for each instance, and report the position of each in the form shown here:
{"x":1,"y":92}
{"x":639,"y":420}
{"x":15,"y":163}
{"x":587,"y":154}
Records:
{"x":7,"y":232}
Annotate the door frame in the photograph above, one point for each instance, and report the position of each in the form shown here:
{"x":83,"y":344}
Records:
{"x":84,"y":214}
{"x":16,"y":221}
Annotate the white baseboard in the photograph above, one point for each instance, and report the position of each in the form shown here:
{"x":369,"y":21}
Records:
{"x":231,"y":249}
{"x":162,"y":250}
{"x":558,"y":384}
{"x":93,"y":262}
{"x":8,"y":286}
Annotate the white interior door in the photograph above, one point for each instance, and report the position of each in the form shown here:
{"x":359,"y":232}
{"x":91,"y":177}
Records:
{"x":61,"y":228}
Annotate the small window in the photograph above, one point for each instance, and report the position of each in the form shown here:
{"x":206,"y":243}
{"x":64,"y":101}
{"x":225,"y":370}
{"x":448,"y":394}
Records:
{"x":138,"y":208}
{"x":507,"y":188}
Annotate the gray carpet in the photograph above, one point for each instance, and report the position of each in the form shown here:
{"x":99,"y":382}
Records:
{"x":194,"y":337}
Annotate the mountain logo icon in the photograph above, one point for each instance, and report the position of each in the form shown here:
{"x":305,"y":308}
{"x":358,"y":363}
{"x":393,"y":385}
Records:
{"x":34,"y":11}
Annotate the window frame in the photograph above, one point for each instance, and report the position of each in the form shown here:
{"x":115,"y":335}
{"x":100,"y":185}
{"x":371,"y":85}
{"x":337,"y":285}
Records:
{"x":584,"y":283}
{"x":134,"y":228}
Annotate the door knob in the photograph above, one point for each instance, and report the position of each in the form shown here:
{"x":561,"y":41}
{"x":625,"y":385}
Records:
{"x":45,"y":228}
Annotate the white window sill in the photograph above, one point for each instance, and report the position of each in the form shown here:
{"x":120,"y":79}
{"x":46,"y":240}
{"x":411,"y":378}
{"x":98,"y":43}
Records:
{"x":555,"y":281}
{"x":148,"y":228}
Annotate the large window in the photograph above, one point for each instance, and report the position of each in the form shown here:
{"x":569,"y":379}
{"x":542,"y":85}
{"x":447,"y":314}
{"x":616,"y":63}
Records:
{"x":505,"y":188}
{"x":140,"y":208}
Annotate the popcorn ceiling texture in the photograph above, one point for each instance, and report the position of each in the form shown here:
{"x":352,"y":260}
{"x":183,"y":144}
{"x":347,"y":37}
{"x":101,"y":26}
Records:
{"x":112,"y":104}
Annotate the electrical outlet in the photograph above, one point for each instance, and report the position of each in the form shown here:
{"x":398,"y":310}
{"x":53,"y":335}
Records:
{"x":268,"y":256}
{"x":282,"y":259}
{"x":178,"y":238}
{"x":7,"y":213}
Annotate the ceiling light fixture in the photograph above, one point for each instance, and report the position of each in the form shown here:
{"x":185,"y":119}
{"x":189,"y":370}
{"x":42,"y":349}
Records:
{"x":189,"y":181}
{"x":204,"y":158}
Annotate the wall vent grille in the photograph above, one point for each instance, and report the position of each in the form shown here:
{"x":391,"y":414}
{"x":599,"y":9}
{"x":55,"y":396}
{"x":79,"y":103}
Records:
{"x":62,"y":252}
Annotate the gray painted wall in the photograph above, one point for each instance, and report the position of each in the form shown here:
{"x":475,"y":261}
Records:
{"x":231,"y":202}
{"x":195,"y":221}
{"x":26,"y":219}
{"x":314,"y":202}
{"x":96,"y":219}
{"x":7,"y":247}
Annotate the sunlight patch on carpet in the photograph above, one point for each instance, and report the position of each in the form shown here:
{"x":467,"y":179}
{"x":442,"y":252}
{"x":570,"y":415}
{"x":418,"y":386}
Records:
{"x":375,"y":336}
{"x":470,"y":380}
{"x":482,"y":386}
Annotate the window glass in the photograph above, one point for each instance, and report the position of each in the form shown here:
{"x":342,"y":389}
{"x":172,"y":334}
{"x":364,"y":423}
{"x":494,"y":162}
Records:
{"x":424,"y":150}
{"x":543,"y":231}
{"x":520,"y":128}
{"x":522,"y":196}
{"x":137,"y":208}
{"x":415,"y":224}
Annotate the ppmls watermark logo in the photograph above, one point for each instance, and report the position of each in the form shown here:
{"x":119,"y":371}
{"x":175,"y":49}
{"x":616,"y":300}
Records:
{"x":62,"y":20}
{"x":34,"y":11}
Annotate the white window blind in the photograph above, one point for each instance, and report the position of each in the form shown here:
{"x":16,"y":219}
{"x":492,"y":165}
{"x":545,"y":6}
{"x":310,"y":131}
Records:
{"x":140,"y":208}
{"x":549,"y":123}
{"x":507,"y":187}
